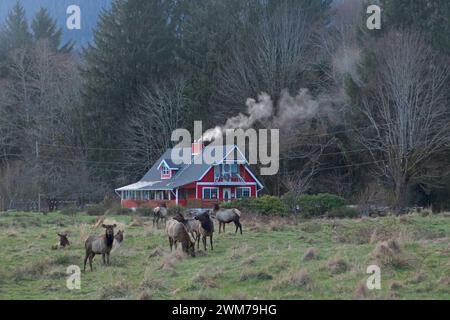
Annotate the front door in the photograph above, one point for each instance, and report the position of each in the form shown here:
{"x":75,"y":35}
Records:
{"x":226,"y":194}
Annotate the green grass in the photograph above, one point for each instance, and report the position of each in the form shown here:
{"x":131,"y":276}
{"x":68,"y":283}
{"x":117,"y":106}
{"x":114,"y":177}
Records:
{"x":266,"y":262}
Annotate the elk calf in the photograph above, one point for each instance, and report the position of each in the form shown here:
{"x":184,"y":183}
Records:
{"x":99,"y":245}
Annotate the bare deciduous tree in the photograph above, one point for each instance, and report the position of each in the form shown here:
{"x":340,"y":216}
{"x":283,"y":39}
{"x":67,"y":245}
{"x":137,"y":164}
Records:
{"x":160,"y":110}
{"x":407,"y":110}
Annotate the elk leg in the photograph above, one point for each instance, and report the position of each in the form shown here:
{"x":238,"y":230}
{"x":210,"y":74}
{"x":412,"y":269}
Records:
{"x":204,"y":242}
{"x":211,"y":242}
{"x":85,"y":260}
{"x":223,"y":227}
{"x":240,"y":226}
{"x":91,"y":257}
{"x":103,"y":258}
{"x":107,"y":258}
{"x":170,"y":243}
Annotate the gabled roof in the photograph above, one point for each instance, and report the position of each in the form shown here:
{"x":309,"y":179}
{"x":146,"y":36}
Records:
{"x":186,"y":173}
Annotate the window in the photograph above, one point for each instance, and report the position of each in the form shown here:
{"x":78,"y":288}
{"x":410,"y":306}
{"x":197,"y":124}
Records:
{"x":210,"y":193}
{"x":242,"y":192}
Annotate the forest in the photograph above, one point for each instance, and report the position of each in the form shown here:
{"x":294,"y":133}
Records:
{"x":372,"y":125}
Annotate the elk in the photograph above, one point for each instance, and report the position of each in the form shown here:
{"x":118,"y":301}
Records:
{"x":99,"y":245}
{"x":119,"y":236}
{"x":177,"y":232}
{"x":225,"y":216}
{"x":205,"y":229}
{"x":160,"y":213}
{"x":63,"y":241}
{"x":191,"y":224}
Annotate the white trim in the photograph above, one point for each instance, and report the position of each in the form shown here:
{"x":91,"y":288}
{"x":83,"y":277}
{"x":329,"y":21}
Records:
{"x":253,"y":176}
{"x":237,"y":184}
{"x":237,"y":161}
{"x":203,"y":193}
{"x":165,"y":163}
{"x":176,"y":196}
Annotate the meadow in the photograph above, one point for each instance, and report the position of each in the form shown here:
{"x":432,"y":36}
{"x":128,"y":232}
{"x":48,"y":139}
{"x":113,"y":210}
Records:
{"x":275,"y":258}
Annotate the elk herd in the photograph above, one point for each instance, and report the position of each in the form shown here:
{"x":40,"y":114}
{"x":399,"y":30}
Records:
{"x":179,"y":229}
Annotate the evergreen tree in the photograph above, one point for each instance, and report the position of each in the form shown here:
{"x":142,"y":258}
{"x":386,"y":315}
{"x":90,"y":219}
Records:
{"x":15,"y":33}
{"x":44,"y":27}
{"x":133,"y":47}
{"x":428,"y":16}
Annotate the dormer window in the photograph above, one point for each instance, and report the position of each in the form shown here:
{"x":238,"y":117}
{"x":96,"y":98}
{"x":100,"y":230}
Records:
{"x":166,"y":173}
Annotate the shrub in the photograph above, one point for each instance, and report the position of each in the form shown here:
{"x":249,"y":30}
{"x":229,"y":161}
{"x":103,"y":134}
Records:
{"x":69,"y":211}
{"x":343,"y":212}
{"x":319,"y":204}
{"x":174,"y":209}
{"x":145,"y":211}
{"x":95,"y":210}
{"x":123,"y":211}
{"x":266,"y":205}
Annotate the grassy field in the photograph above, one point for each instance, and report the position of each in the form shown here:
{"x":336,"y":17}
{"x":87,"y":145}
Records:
{"x":274,"y":259}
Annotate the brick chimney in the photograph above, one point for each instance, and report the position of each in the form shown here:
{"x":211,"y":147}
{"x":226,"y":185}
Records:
{"x":197,"y":147}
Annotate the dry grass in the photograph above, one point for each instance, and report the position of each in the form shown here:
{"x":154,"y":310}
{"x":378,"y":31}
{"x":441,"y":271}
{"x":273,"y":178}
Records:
{"x":115,"y":290}
{"x":389,"y":254}
{"x":208,"y":277}
{"x":396,"y":285}
{"x":12,"y":233}
{"x":361,"y":291}
{"x":157,"y":252}
{"x":239,"y":252}
{"x":170,"y":260}
{"x":311,"y":254}
{"x":299,"y":279}
{"x":337,"y":265}
{"x":252,"y":274}
{"x":445,"y":281}
{"x":249,"y":261}
{"x":152,"y":284}
{"x":33,"y":270}
{"x":136,"y":223}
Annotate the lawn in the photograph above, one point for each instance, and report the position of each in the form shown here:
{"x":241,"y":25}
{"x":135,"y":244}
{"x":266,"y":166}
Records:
{"x":275,"y":258}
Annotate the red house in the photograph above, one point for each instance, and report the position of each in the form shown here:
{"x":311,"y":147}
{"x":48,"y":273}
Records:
{"x":194,"y":185}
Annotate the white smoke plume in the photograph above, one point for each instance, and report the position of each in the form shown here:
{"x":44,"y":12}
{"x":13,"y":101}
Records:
{"x":290,"y":110}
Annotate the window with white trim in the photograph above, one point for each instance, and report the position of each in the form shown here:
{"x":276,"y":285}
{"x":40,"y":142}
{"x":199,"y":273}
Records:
{"x":210,"y":193}
{"x":243,"y":192}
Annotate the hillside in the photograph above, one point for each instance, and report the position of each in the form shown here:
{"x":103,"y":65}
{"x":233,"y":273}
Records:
{"x":274,"y":259}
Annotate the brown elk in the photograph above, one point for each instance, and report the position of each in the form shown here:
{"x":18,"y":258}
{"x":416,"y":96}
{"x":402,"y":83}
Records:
{"x":63,"y":241}
{"x":205,"y":229}
{"x":225,"y":216}
{"x":99,"y":245}
{"x":191,"y":224}
{"x":160,"y":213}
{"x":177,"y":232}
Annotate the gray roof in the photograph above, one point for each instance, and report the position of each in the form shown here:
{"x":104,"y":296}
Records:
{"x":186,"y":173}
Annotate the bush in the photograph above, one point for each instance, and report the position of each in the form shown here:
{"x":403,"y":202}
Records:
{"x":174,"y":209}
{"x":314,"y":205}
{"x":144,"y":211}
{"x":343,"y":212}
{"x":123,"y":211}
{"x":95,"y":210}
{"x":69,"y":211}
{"x":267,"y":205}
